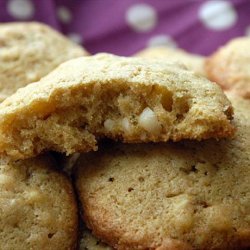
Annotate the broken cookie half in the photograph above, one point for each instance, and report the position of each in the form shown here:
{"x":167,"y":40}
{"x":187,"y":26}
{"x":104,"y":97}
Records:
{"x":131,"y":99}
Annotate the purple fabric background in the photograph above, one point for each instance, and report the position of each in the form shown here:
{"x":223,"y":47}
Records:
{"x":102,"y":25}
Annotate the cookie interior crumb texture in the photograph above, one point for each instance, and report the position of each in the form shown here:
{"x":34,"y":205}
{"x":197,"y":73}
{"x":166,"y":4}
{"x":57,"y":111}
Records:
{"x":191,"y":61}
{"x":38,"y":208}
{"x":131,"y":99}
{"x":29,"y":51}
{"x":229,"y":66}
{"x":186,"y":195}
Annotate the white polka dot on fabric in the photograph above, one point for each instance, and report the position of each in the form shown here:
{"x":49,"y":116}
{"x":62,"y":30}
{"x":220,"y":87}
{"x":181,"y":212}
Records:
{"x":141,"y":17}
{"x":75,"y":38}
{"x":21,"y":9}
{"x":64,"y":14}
{"x":218,"y":14}
{"x":162,"y":40}
{"x":247,"y":31}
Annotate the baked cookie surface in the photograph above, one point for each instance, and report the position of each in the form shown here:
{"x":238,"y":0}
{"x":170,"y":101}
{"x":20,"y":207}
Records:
{"x":131,"y":99}
{"x":185,"y":195}
{"x":229,"y":66}
{"x":30,"y":51}
{"x":191,"y":61}
{"x":38,"y":207}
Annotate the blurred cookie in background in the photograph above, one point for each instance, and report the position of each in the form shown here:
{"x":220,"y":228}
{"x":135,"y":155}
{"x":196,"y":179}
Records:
{"x":191,"y":61}
{"x":29,"y":51}
{"x":190,"y":195}
{"x":38,"y":206}
{"x":229,"y":66}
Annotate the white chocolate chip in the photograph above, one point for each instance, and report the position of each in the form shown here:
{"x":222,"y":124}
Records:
{"x":70,"y":162}
{"x":148,"y":120}
{"x":183,"y":208}
{"x":109,"y":125}
{"x":126,"y":125}
{"x":182,"y":202}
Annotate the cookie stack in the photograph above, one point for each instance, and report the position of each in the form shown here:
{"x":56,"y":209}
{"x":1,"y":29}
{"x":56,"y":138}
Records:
{"x":177,"y":177}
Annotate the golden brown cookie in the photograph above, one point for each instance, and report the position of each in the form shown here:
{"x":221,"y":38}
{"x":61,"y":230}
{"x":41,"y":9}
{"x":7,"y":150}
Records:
{"x":29,"y":51}
{"x":38,"y":207}
{"x":191,"y":61}
{"x":189,"y":195}
{"x":131,"y":99}
{"x":229,"y":66}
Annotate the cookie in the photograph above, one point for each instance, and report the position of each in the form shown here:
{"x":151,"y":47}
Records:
{"x":191,"y":61}
{"x":90,"y":242}
{"x":186,"y":195}
{"x":29,"y":51}
{"x":131,"y":99}
{"x":229,"y":66}
{"x":38,"y":207}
